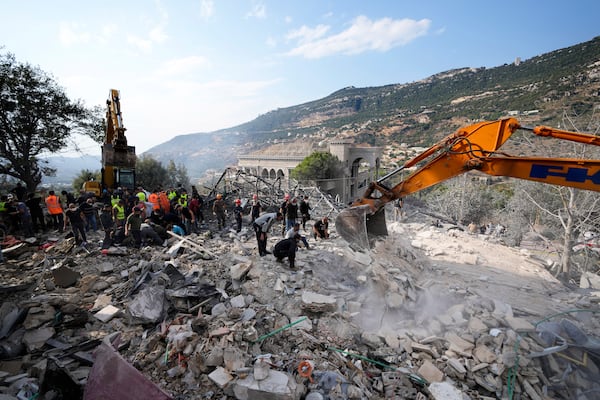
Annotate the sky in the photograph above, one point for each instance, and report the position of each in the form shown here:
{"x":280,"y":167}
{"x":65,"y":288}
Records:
{"x":189,"y":66}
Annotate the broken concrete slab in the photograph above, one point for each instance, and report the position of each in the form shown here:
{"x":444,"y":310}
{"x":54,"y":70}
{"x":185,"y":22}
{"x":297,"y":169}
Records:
{"x":276,"y":386}
{"x":107,"y":313}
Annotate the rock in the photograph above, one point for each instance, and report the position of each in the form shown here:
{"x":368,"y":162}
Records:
{"x":519,"y":324}
{"x":277,"y":386}
{"x":430,"y":372}
{"x":36,"y":338}
{"x":316,"y":302}
{"x":444,"y":391}
{"x":484,"y":354}
{"x":459,"y":345}
{"x":220,"y":377}
{"x":64,"y":276}
{"x":107,"y":313}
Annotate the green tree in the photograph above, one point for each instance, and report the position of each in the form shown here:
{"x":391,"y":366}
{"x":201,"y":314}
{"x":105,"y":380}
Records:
{"x":318,"y":165}
{"x":84,"y":176}
{"x":177,"y":175}
{"x":36,"y":117}
{"x":150,"y":173}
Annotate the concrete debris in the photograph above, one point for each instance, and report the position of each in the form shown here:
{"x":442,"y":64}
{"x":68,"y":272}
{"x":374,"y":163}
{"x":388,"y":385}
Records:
{"x":424,"y":315}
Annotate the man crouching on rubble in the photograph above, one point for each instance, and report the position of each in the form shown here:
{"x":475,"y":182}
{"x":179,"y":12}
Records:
{"x":287,"y":248}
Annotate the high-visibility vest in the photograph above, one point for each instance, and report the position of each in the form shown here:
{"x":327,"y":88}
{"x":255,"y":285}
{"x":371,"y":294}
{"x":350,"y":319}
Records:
{"x":114,"y":200}
{"x":120,"y":211}
{"x":153,"y":198}
{"x":2,"y":206}
{"x":164,"y":202}
{"x":141,"y":196}
{"x":182,"y":200}
{"x":53,"y":205}
{"x":171,"y":195}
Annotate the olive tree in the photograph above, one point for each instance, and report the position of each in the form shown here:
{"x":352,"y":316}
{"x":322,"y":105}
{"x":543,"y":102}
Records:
{"x":36,"y":118}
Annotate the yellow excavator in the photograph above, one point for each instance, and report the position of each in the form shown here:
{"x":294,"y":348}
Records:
{"x":118,"y":159}
{"x":473,"y":147}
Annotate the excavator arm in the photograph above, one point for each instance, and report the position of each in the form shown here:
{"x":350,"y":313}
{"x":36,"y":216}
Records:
{"x":470,"y":148}
{"x":118,"y":159}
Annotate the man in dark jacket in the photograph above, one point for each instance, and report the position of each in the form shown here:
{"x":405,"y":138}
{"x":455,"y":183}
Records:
{"x":37,"y":213}
{"x":108,"y":225}
{"x":287,"y":248}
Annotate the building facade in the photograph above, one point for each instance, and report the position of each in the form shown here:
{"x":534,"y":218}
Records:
{"x":360,"y":165}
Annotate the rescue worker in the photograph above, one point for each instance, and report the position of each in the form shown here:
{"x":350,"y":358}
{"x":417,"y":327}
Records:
{"x":287,"y":248}
{"x":154,"y":199}
{"x":74,"y":216}
{"x":256,"y":208}
{"x":321,"y":229}
{"x":182,"y":200}
{"x":140,"y":194}
{"x":237,"y":213}
{"x":34,"y":203}
{"x":295,"y":230}
{"x":119,"y":213}
{"x":283,"y":211}
{"x":305,"y":211}
{"x":133,"y":226}
{"x":108,"y":225}
{"x":55,"y":210}
{"x":292,"y":214}
{"x":219,"y":210}
{"x":261,"y":228}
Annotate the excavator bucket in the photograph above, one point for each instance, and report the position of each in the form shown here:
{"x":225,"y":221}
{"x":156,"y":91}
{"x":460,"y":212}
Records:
{"x":358,"y":225}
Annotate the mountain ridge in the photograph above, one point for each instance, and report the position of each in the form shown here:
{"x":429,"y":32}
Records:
{"x":416,"y":113}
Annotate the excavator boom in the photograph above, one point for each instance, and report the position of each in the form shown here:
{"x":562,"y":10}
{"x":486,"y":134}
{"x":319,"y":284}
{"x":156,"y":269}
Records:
{"x":470,"y":148}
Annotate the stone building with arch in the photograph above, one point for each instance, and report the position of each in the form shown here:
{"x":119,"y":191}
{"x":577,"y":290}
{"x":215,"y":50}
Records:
{"x":361,"y":165}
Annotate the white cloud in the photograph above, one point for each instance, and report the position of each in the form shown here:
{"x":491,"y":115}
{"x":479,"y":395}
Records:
{"x":182,"y":65}
{"x":70,"y":33}
{"x":207,"y":9}
{"x":271,"y":41}
{"x":158,"y":35}
{"x":259,"y":10}
{"x":362,"y":35}
{"x":144,"y":45}
{"x":306,"y":35}
{"x":288,"y":19}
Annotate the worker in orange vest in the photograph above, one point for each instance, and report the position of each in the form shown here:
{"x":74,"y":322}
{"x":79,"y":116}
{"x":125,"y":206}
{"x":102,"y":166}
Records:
{"x":55,"y":210}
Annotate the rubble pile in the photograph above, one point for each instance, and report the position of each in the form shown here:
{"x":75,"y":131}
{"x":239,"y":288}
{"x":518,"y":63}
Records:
{"x":206,"y":317}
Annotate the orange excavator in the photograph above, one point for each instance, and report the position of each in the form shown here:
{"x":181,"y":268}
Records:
{"x":473,"y":147}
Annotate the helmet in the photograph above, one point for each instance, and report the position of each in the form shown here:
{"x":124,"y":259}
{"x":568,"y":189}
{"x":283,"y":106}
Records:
{"x":219,"y":196}
{"x":238,"y":201}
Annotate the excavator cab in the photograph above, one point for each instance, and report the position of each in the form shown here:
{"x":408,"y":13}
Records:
{"x":473,"y":147}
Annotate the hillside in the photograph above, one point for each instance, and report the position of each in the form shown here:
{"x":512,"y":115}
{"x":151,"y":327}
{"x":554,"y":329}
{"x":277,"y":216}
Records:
{"x":537,"y":90}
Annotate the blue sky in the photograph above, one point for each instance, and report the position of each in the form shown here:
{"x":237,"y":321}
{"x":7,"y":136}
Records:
{"x":186,"y":66}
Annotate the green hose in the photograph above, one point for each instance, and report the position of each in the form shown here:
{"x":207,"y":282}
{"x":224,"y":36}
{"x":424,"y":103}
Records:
{"x":263,"y":337}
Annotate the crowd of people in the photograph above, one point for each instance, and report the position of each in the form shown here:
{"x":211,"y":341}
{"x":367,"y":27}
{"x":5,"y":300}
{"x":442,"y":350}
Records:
{"x":139,"y":217}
